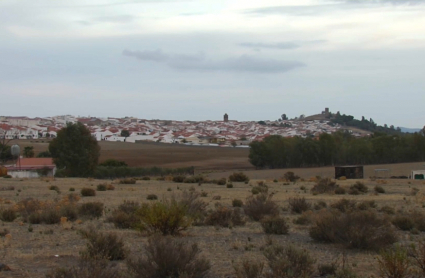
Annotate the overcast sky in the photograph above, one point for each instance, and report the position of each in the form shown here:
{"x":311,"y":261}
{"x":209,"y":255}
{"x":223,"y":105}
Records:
{"x":196,"y":60}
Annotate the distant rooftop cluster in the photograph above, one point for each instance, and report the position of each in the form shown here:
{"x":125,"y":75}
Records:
{"x":130,"y":129}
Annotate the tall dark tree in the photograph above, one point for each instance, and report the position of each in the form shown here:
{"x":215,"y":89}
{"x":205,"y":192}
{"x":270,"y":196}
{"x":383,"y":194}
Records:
{"x":125,"y":133}
{"x":75,"y":150}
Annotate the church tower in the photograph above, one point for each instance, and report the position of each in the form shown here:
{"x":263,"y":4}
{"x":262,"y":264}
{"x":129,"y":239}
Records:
{"x":226,"y":117}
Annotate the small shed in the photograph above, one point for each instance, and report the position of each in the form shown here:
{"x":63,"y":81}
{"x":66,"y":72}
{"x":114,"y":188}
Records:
{"x":417,"y":175}
{"x":350,"y":172}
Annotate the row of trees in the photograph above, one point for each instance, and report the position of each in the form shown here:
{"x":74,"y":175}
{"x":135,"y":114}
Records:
{"x":337,"y":149}
{"x":369,"y":125}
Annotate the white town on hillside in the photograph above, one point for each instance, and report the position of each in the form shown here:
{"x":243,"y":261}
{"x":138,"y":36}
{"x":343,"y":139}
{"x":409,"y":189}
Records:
{"x":213,"y":133}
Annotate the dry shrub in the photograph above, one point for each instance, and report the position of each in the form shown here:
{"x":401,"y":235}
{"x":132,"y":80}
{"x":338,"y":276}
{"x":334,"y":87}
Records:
{"x":259,"y":206}
{"x":340,"y":191}
{"x":320,"y":205}
{"x":238,"y":177}
{"x":358,"y":229}
{"x":102,"y":187}
{"x":275,"y":225}
{"x":225,"y":217}
{"x":146,"y":178}
{"x":221,"y":181}
{"x":103,"y":245}
{"x":299,"y":205}
{"x":28,"y":207}
{"x":152,"y":197}
{"x":409,"y":221}
{"x":394,"y":263}
{"x":249,"y":268}
{"x":110,"y":187}
{"x":91,"y":209}
{"x":69,"y":211}
{"x":217,"y":198}
{"x":379,"y":189}
{"x":260,"y":188}
{"x":342,"y":178}
{"x":325,"y":185}
{"x":87,"y":269}
{"x":178,"y":179}
{"x":289,"y":262}
{"x":387,"y":210}
{"x":290,"y":176}
{"x":8,"y":215}
{"x":167,"y":217}
{"x":169,"y":257}
{"x":124,"y":217}
{"x":365,"y":205}
{"x":127,"y":181}
{"x":88,"y":192}
{"x":237,"y":203}
{"x":304,"y":219}
{"x":417,"y":253}
{"x":327,"y":269}
{"x":358,"y":188}
{"x":195,"y":206}
{"x":7,"y":188}
{"x":344,"y":205}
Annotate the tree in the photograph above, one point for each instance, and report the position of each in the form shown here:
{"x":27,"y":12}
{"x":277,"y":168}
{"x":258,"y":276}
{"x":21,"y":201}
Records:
{"x":29,"y":151}
{"x":44,"y":154}
{"x":113,"y":163}
{"x":125,"y":133}
{"x":75,"y":150}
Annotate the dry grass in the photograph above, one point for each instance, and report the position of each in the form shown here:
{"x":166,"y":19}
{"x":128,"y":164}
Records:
{"x":33,"y":254}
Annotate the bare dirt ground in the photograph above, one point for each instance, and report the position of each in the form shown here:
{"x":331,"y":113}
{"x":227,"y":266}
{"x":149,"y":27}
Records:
{"x":162,"y":155}
{"x":33,"y":253}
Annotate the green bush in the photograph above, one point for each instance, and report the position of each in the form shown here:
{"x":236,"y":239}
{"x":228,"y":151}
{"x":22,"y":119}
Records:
{"x":69,"y":211}
{"x":169,"y":257}
{"x":340,"y":191}
{"x":167,"y":217}
{"x":103,"y":245}
{"x":229,"y":185}
{"x":50,"y":216}
{"x":275,"y":225}
{"x":394,"y":262}
{"x":238,"y":177}
{"x":262,"y":188}
{"x":258,"y":206}
{"x":146,"y":178}
{"x":91,"y":209}
{"x":71,"y":189}
{"x":54,"y":187}
{"x":88,"y":192}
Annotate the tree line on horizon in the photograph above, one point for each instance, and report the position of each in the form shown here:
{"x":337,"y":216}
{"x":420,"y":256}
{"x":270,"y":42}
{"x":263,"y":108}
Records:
{"x":340,"y":148}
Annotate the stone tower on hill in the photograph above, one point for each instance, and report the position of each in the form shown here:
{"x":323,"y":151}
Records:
{"x":226,"y":117}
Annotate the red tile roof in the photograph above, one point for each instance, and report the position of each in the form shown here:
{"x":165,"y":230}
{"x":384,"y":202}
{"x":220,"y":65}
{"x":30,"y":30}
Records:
{"x":47,"y":161}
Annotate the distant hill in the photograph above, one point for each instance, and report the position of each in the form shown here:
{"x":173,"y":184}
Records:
{"x":409,"y":130}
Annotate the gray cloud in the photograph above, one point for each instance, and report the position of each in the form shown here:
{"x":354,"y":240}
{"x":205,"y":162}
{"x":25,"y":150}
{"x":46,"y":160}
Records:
{"x":199,"y":62}
{"x":326,"y":7}
{"x":281,"y":45}
{"x":147,"y":55}
{"x":393,"y":2}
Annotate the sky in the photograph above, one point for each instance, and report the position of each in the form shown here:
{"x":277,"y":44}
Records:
{"x":196,"y":60}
